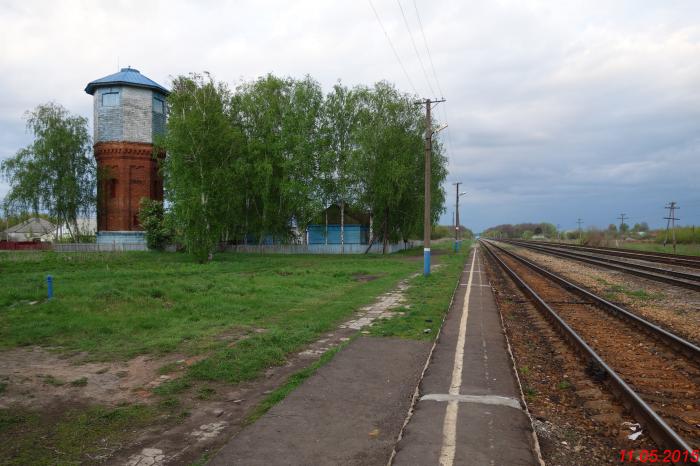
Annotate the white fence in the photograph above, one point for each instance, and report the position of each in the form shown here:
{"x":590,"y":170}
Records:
{"x":99,"y":247}
{"x":258,"y":249}
{"x":321,"y":248}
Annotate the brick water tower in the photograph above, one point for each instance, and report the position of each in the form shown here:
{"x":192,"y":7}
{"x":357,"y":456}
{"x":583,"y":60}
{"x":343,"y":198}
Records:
{"x":129,"y":113}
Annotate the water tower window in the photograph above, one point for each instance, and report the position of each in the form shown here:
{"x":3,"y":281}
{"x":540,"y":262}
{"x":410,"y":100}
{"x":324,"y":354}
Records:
{"x":110,"y":99}
{"x":113,"y":188}
{"x":158,"y":106}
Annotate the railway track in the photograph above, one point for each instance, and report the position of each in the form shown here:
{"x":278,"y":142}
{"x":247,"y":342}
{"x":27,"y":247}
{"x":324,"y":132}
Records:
{"x":653,"y":372}
{"x":692,"y":262}
{"x":682,"y":279}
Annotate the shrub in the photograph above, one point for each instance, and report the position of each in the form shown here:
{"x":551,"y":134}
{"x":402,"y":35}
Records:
{"x":152,"y":219}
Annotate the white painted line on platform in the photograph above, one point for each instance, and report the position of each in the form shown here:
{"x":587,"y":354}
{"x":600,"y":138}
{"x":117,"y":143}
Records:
{"x":449,"y":426}
{"x":481,"y":399}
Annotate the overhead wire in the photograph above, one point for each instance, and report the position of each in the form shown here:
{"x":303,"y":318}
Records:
{"x":427,"y":49}
{"x":443,"y":108}
{"x":415,"y":48}
{"x":391,"y":44}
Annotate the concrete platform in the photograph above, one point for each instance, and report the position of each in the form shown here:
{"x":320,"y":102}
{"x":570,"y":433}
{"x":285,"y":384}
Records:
{"x":469,"y":411}
{"x":350,"y":412}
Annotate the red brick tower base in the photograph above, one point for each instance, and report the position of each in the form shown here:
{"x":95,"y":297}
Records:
{"x":127,"y":173}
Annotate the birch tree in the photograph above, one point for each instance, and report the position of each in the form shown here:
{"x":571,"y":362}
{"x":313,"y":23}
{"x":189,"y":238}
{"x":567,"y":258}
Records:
{"x":55,"y":174}
{"x":201,"y":171}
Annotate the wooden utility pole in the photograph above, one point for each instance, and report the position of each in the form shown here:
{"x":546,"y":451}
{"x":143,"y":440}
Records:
{"x":579,"y":221}
{"x":427,"y":222}
{"x":672,"y":221}
{"x":457,"y":235}
{"x":622,"y":222}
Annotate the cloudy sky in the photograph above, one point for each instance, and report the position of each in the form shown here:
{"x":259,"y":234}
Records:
{"x":556,"y":109}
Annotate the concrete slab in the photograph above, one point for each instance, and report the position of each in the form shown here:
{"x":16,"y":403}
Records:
{"x":471,"y":413}
{"x":350,"y":412}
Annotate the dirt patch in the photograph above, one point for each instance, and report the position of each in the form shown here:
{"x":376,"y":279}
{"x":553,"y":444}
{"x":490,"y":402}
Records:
{"x":364,"y":278}
{"x":36,"y":377}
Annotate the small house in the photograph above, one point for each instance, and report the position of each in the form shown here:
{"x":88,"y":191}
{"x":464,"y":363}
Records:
{"x":326,"y":228}
{"x":33,"y":229}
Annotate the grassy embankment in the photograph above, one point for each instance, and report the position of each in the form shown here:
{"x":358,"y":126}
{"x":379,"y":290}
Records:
{"x":116,"y":306}
{"x":686,"y":249}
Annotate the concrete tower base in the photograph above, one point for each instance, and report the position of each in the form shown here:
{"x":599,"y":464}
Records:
{"x":121,"y":237}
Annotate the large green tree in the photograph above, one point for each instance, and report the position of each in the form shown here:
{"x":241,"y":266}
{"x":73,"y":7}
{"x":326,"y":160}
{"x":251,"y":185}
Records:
{"x":202,"y":169}
{"x":338,"y":182}
{"x":279,"y":119}
{"x":390,"y":160}
{"x":270,"y":156}
{"x":56,"y":173}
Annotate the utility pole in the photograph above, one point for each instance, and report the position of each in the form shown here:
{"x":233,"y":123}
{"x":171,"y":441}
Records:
{"x":672,"y":221}
{"x":456,"y":185}
{"x":579,"y":221}
{"x":427,"y":223}
{"x":622,"y":222}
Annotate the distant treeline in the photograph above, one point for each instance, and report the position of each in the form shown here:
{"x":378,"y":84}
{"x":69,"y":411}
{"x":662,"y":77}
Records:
{"x":595,"y":236}
{"x":448,"y":231}
{"x":684,"y":235}
{"x":521,"y":230}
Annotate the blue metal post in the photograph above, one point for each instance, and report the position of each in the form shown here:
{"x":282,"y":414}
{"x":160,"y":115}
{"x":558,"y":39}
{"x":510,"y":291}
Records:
{"x":49,"y":285}
{"x":426,"y":261}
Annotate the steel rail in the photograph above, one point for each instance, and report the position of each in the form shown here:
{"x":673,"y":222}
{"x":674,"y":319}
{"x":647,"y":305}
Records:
{"x":685,"y":280}
{"x":658,"y":429}
{"x":664,"y":258}
{"x":673,"y":273}
{"x":689,"y":349}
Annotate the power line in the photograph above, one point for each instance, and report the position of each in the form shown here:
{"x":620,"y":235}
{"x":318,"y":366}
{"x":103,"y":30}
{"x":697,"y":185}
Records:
{"x":396,"y":54}
{"x":437,"y":81}
{"x":425,"y":42}
{"x":415,"y":48}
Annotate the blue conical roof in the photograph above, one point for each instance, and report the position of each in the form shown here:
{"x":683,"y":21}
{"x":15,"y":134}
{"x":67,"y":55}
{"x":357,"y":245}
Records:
{"x":126,"y":77}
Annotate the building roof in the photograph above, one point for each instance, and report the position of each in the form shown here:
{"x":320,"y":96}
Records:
{"x":352,"y":216}
{"x":33,"y":225}
{"x":126,"y":77}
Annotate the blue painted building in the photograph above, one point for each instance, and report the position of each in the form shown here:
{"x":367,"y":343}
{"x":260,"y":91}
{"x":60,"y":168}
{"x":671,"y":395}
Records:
{"x":326,"y":228}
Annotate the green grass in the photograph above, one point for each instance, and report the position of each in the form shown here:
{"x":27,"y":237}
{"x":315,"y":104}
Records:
{"x":686,"y":249}
{"x":116,"y":306}
{"x":81,"y":382}
{"x":564,"y":385}
{"x":612,"y":291}
{"x":244,"y":312}
{"x":427,"y":299}
{"x":74,"y":436}
{"x":51,"y":380}
{"x":168,"y":368}
{"x":205,"y":393}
